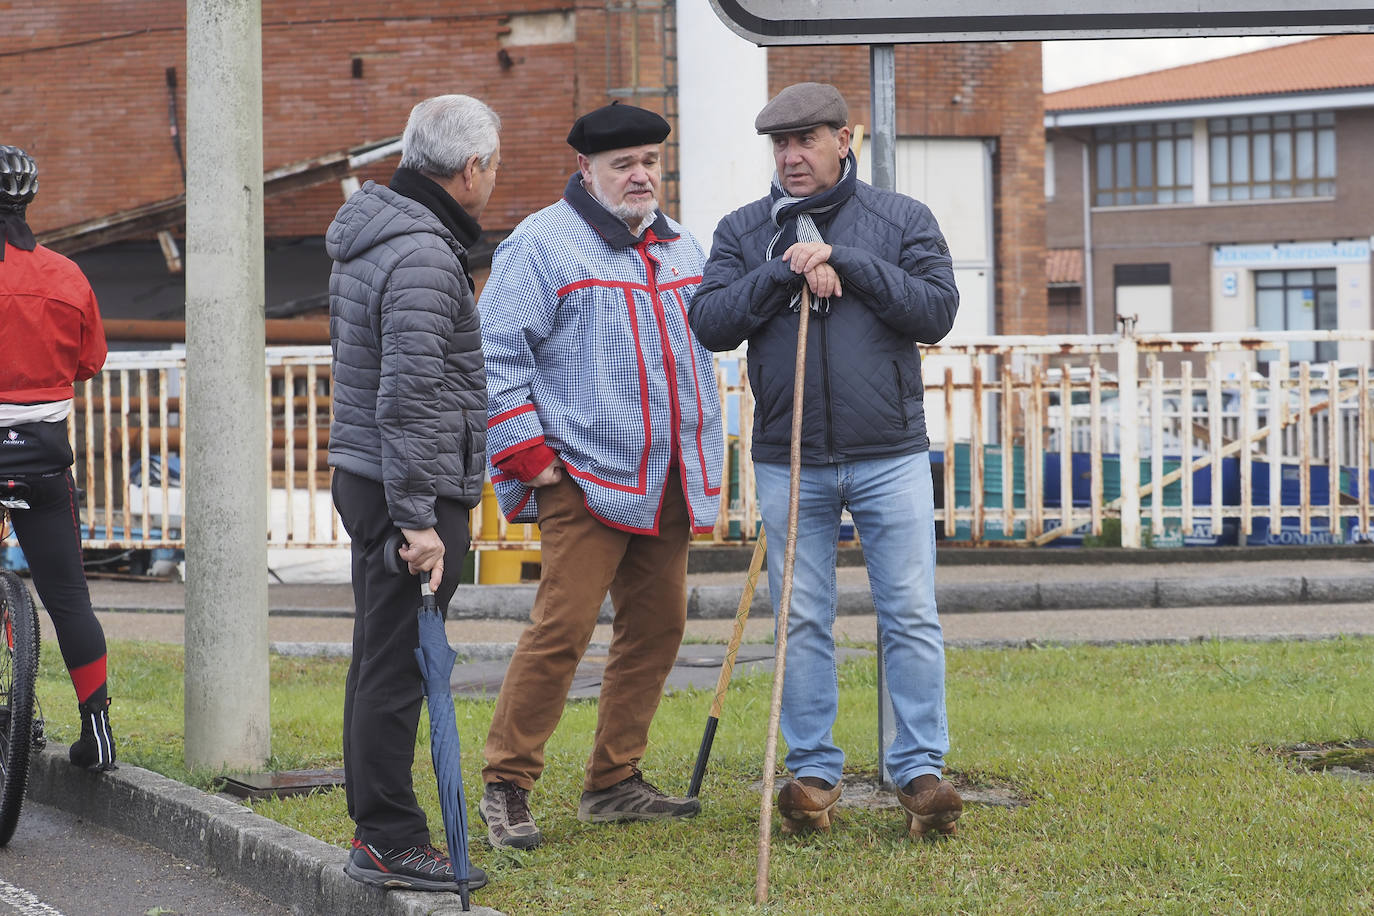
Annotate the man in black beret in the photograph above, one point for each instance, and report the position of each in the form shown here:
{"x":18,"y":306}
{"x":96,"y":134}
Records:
{"x":618,"y":160}
{"x":881,"y":282}
{"x":604,"y":427}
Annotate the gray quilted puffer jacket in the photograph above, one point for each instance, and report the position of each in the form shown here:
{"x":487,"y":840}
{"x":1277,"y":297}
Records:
{"x":410,"y":390}
{"x":863,"y":396}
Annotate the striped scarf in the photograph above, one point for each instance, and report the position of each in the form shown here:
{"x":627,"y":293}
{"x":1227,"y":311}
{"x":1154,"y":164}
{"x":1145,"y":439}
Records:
{"x":795,"y":218}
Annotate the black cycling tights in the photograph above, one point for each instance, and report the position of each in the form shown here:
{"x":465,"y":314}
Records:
{"x":50,"y":537}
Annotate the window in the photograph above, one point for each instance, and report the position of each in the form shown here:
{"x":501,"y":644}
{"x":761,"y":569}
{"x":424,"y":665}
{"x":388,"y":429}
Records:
{"x":1066,"y":310}
{"x":1297,"y":300}
{"x":1265,"y":157}
{"x":1143,"y":164}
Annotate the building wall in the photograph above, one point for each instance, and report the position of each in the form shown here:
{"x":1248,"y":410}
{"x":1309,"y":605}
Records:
{"x":93,"y":76}
{"x":723,"y":84}
{"x":987,"y":90}
{"x":339,"y":74}
{"x":1182,"y":236}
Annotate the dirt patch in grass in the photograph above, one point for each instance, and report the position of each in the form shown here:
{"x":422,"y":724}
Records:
{"x":1352,"y":759}
{"x":864,"y":791}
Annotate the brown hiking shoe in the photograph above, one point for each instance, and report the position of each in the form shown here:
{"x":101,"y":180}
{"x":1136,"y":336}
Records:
{"x":633,"y":799}
{"x":505,"y":809}
{"x":805,"y":804}
{"x":932,"y":805}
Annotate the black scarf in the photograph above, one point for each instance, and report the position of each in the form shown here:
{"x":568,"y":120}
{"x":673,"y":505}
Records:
{"x":607,"y":225}
{"x":427,"y":192}
{"x":15,"y":231}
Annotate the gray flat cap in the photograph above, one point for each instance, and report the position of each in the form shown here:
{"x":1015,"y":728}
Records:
{"x":803,"y":105}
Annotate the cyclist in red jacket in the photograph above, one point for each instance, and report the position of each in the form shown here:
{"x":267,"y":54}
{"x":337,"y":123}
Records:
{"x":50,"y":337}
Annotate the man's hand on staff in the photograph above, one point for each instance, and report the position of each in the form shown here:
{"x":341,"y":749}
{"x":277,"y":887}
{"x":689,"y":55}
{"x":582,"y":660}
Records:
{"x":424,"y":552}
{"x":550,"y":475}
{"x":812,"y":260}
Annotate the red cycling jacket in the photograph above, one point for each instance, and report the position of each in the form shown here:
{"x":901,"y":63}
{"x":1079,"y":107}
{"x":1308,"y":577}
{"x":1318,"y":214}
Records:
{"x":50,"y":330}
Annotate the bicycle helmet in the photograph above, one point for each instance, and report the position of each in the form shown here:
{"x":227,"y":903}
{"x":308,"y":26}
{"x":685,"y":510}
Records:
{"x":18,"y":177}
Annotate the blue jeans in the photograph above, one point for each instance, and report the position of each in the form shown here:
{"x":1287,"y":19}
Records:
{"x":892,"y":503}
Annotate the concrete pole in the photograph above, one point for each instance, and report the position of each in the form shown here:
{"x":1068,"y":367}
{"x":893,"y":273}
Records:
{"x":227,"y":717}
{"x":1128,"y":394}
{"x":882,"y":75}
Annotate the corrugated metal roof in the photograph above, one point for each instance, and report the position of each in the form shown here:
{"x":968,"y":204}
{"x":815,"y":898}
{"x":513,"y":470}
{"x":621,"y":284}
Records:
{"x":1320,"y":64}
{"x":1064,"y":266}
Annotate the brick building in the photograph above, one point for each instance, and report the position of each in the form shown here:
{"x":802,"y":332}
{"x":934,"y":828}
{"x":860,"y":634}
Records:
{"x":104,"y":90}
{"x":1230,"y":195}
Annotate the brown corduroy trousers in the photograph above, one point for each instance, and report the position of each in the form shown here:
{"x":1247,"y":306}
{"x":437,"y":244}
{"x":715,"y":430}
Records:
{"x":582,"y":559}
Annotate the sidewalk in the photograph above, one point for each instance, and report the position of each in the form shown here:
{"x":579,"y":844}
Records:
{"x":986,"y":598}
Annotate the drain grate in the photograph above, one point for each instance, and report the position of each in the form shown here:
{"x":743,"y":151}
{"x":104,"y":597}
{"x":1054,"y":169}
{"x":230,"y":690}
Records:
{"x":1353,"y":759}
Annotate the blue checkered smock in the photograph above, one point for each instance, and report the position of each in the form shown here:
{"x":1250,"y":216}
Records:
{"x":584,"y":327}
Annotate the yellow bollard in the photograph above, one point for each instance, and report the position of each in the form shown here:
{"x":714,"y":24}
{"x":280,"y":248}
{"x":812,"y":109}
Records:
{"x":499,"y":566}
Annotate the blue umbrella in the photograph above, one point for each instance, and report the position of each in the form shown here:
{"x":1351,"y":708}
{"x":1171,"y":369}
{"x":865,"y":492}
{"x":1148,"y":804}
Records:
{"x":436,"y":658}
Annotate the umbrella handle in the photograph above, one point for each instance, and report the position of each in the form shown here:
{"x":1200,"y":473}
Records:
{"x":391,"y":556}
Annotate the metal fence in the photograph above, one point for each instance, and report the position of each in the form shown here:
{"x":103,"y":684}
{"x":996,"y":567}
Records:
{"x":1169,"y":439}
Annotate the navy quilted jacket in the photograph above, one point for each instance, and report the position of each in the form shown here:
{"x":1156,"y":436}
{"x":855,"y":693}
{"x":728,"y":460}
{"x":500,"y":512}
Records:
{"x":410,"y":391}
{"x":863,"y":395}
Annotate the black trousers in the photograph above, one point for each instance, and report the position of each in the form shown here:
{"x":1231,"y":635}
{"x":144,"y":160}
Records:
{"x":384,"y":691}
{"x":50,"y":536}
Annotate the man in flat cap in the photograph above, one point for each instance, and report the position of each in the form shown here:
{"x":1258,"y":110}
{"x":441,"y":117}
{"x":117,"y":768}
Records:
{"x":881,"y":282}
{"x":605,"y":429}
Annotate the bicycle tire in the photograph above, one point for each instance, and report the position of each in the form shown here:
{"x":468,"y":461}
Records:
{"x":18,"y":679}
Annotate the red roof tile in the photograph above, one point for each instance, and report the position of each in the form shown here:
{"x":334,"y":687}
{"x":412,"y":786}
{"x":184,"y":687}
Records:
{"x":1064,"y":266}
{"x":1320,"y":64}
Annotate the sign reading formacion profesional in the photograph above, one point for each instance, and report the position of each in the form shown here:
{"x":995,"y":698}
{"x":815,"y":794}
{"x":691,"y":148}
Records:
{"x":1292,"y":254}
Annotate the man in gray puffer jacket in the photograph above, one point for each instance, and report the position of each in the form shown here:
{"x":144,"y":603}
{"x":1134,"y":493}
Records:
{"x":882,"y":281}
{"x":408,"y":447}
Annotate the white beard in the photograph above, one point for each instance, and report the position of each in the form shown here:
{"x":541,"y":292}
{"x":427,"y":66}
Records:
{"x":634,"y":215}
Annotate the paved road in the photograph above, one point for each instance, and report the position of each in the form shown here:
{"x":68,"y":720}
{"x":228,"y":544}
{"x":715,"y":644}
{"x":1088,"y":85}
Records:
{"x":58,"y":864}
{"x":495,"y":638}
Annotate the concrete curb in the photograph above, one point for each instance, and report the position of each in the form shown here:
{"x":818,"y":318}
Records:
{"x":293,"y":869}
{"x":993,"y":643}
{"x":713,"y":602}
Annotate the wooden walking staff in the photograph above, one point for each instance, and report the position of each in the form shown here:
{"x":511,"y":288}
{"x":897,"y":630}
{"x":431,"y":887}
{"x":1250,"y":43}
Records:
{"x":789,"y":560}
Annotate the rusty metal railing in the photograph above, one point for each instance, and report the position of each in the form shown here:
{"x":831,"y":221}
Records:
{"x":1054,"y":406}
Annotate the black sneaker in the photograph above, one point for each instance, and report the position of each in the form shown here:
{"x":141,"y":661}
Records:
{"x":95,"y":749}
{"x":505,"y":810}
{"x":422,"y":868}
{"x":633,"y":799}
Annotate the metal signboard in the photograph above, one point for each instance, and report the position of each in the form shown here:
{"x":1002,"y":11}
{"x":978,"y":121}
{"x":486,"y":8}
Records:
{"x":808,"y":22}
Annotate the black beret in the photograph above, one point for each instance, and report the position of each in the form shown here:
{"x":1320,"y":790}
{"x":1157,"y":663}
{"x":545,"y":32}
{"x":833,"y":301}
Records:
{"x":803,"y":105}
{"x":616,"y":126}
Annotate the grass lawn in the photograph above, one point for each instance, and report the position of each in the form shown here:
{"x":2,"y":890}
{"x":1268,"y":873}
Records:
{"x":1151,"y":775}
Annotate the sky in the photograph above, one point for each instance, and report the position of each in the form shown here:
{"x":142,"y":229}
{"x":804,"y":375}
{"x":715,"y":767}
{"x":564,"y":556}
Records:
{"x":1077,"y":63}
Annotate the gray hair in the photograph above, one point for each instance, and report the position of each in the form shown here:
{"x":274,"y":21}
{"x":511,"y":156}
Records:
{"x":444,"y":132}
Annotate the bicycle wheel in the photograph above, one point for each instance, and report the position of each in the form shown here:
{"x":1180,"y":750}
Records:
{"x":18,"y":674}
